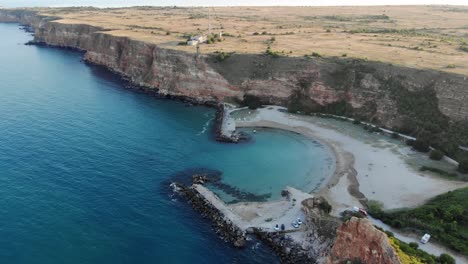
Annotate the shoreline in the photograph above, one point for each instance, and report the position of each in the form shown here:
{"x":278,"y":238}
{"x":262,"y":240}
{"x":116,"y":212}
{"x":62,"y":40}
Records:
{"x":342,"y":189}
{"x":237,"y":223}
{"x":343,"y":162}
{"x":371,"y":173}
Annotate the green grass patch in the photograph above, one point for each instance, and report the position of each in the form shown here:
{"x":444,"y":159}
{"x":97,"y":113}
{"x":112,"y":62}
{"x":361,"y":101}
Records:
{"x":445,"y":217}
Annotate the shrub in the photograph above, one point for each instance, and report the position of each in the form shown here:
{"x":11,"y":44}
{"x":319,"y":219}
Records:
{"x":251,"y":101}
{"x":444,"y":217}
{"x":344,"y":55}
{"x":375,"y":208}
{"x":256,"y":33}
{"x":223,"y":56}
{"x":272,"y":53}
{"x":409,"y":142}
{"x":356,"y":121}
{"x":315,"y":54}
{"x":421,"y":146}
{"x":463,"y":166}
{"x":446,"y":259}
{"x":328,"y":30}
{"x":464,"y":48}
{"x":182,"y":43}
{"x":168,"y":33}
{"x":451,"y":66}
{"x":272,"y":39}
{"x":325,"y":206}
{"x":413,"y":245}
{"x":436,"y":154}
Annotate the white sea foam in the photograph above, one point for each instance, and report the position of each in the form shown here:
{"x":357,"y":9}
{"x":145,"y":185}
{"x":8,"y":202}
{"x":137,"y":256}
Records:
{"x":205,"y":127}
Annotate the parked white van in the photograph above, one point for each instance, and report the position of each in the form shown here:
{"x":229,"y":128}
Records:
{"x":425,"y":238}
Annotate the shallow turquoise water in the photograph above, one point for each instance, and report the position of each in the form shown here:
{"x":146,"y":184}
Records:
{"x":84,"y":163}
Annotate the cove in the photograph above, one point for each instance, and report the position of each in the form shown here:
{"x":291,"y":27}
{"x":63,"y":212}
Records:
{"x":82,"y":162}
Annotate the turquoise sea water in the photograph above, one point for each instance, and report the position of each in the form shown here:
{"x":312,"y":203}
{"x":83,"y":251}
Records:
{"x":84,"y":165}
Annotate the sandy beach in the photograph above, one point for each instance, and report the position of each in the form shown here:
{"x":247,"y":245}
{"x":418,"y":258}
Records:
{"x":364,"y":171}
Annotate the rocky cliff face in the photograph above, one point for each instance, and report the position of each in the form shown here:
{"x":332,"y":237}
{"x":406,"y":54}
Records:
{"x":369,"y":90}
{"x":359,"y":241}
{"x":169,"y":71}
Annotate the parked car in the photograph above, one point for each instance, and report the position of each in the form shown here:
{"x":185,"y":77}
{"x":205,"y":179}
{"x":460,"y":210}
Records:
{"x":425,"y":238}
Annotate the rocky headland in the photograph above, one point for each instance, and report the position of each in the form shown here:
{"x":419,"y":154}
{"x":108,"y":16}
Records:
{"x":321,"y":238}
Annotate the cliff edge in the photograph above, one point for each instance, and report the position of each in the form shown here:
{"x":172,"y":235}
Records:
{"x":423,"y":103}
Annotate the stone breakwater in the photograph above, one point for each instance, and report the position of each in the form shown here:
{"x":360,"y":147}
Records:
{"x":223,"y":226}
{"x":320,"y":238}
{"x":222,"y":133}
{"x":234,"y":230}
{"x":287,"y":250}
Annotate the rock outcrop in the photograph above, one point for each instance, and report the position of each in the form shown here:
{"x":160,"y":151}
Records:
{"x":358,"y":240}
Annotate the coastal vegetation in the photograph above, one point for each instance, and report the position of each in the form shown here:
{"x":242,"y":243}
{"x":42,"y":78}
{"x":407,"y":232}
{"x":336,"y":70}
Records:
{"x":411,"y":254}
{"x":418,"y":110}
{"x":463,"y":166}
{"x":464,"y":47}
{"x":440,"y":172}
{"x":270,"y":52}
{"x":436,"y":154}
{"x":445,"y":217}
{"x":420,"y":145}
{"x":251,"y":101}
{"x":213,"y":38}
{"x":222,"y":56}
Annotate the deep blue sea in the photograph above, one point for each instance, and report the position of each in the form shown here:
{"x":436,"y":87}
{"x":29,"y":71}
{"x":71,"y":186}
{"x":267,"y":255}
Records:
{"x":84,"y":166}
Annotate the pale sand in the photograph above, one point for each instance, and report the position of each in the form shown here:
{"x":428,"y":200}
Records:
{"x":264,"y":215}
{"x":371,"y":172}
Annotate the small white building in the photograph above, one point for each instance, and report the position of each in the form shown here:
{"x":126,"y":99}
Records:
{"x":194,"y":40}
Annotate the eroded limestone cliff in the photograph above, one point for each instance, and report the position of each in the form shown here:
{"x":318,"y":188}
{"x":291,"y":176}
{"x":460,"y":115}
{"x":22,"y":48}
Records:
{"x":382,"y":93}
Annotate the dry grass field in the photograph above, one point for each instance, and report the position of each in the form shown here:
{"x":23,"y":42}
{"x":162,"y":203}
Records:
{"x":434,"y":37}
